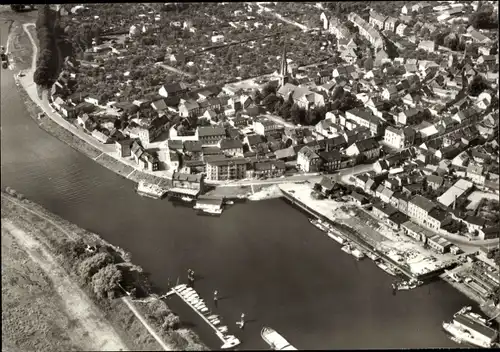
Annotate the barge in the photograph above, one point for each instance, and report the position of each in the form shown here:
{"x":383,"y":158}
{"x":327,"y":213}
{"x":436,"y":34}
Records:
{"x":150,"y":190}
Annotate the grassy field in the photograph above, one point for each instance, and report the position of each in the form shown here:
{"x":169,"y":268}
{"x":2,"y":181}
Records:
{"x":33,"y":318}
{"x":32,"y":222}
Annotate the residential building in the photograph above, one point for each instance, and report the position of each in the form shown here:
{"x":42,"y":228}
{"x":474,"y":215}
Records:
{"x":377,"y":20}
{"x":368,"y":147}
{"x":366,"y":119}
{"x":427,"y":45}
{"x":391,"y":24}
{"x":231,"y":147}
{"x":269,"y":168}
{"x":419,"y":208}
{"x":402,"y":30}
{"x":434,"y":182}
{"x":308,"y":160}
{"x":330,"y":160}
{"x":399,"y":138}
{"x":439,"y":244}
{"x":436,"y":219}
{"x":226,"y":169}
{"x":123,"y":147}
{"x":188,"y":181}
{"x":148,"y":134}
{"x":265,"y":127}
{"x":209,"y":135}
{"x":173,"y":89}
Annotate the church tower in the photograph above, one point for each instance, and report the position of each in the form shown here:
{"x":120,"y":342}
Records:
{"x":283,"y":68}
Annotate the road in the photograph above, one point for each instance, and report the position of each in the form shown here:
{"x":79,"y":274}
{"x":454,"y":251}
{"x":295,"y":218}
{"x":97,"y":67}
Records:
{"x":311,"y":177}
{"x":280,"y":17}
{"x":279,"y":120}
{"x":173,"y":69}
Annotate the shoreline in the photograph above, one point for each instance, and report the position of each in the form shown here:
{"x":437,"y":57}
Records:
{"x":460,"y":287}
{"x":149,"y":309}
{"x":67,"y":135}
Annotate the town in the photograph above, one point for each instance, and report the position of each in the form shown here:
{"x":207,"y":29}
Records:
{"x":207,"y":94}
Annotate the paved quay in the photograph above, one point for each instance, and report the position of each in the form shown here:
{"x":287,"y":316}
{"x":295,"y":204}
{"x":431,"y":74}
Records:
{"x":412,"y":260}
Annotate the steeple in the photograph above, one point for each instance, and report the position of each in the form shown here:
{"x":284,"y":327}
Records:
{"x":284,"y":67}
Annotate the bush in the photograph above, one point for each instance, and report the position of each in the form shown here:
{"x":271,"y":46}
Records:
{"x":105,"y":282}
{"x":91,"y":265}
{"x":171,"y":322}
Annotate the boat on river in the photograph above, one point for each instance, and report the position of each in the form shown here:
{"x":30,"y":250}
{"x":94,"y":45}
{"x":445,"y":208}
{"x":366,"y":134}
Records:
{"x":336,"y":237}
{"x":150,"y":190}
{"x":385,"y":267}
{"x":356,"y":253}
{"x":319,"y":224}
{"x":347,"y":249}
{"x":275,"y":340}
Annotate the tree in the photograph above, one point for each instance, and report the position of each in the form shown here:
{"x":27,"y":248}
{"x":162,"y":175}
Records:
{"x":338,"y":91}
{"x":477,"y":86}
{"x":270,"y":100}
{"x":90,"y":266}
{"x":105,"y":282}
{"x":268,"y":89}
{"x":483,"y":20}
{"x":295,"y":114}
{"x":317,"y":187}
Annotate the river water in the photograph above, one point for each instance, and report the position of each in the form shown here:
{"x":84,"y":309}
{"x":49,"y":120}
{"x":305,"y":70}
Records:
{"x":264,"y":258}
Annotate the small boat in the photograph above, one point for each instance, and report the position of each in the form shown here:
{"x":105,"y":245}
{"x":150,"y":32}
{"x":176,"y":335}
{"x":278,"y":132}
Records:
{"x":209,"y":211}
{"x":336,"y":237}
{"x":319,"y":224}
{"x":223,"y":329}
{"x":275,"y":340}
{"x":204,"y":309}
{"x":230,"y":343}
{"x":357,"y":254}
{"x":347,"y":249}
{"x":372,"y":256}
{"x":385,"y":268}
{"x":187,"y":199}
{"x":228,"y":202}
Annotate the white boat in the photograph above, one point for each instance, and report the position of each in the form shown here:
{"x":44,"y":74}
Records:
{"x":150,"y":190}
{"x":357,"y":253}
{"x":229,"y":202}
{"x":230,"y":343}
{"x":336,"y":237}
{"x":210,"y":211}
{"x":319,"y":224}
{"x":275,"y":340}
{"x":464,"y":310}
{"x":464,"y":336}
{"x":347,"y":249}
{"x":187,"y":199}
{"x":204,"y":309}
{"x":385,"y":268}
{"x":372,"y":256}
{"x":223,"y":329}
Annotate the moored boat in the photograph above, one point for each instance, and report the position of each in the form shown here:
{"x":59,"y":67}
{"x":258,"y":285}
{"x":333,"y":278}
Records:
{"x":275,"y":340}
{"x":385,"y":267}
{"x":150,"y":190}
{"x":464,"y":336}
{"x":372,"y":256}
{"x":319,"y":224}
{"x":336,"y":237}
{"x":347,"y":249}
{"x":356,"y":252}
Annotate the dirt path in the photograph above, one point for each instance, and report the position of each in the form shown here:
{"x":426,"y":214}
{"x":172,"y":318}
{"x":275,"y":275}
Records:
{"x":93,"y":329}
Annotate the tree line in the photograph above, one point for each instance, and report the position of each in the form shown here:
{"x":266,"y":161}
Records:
{"x":47,"y":61}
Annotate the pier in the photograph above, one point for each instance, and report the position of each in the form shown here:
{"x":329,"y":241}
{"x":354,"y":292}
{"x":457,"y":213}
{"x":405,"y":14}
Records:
{"x":352,"y":236}
{"x":228,"y":341}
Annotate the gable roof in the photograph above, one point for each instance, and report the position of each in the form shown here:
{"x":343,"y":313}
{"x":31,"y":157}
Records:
{"x":422,"y":203}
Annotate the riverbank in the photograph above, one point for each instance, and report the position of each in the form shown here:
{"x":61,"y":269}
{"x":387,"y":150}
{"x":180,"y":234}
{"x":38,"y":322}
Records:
{"x":63,"y":244}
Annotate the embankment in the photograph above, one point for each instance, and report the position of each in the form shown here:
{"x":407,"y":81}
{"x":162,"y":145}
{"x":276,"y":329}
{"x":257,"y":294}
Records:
{"x":106,"y":275}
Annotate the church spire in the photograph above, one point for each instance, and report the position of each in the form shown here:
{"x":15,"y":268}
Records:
{"x":284,"y":67}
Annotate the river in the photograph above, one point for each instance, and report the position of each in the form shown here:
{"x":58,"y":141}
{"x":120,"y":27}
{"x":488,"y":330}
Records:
{"x":264,"y":258}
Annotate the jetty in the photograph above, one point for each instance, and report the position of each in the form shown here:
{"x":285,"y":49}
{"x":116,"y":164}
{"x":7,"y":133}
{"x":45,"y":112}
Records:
{"x":193,"y":300}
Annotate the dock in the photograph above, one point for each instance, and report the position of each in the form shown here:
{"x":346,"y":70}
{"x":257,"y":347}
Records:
{"x":192,"y":299}
{"x":352,"y":236}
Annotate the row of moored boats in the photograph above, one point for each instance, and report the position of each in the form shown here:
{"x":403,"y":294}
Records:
{"x":191,"y":297}
{"x":356,"y":252}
